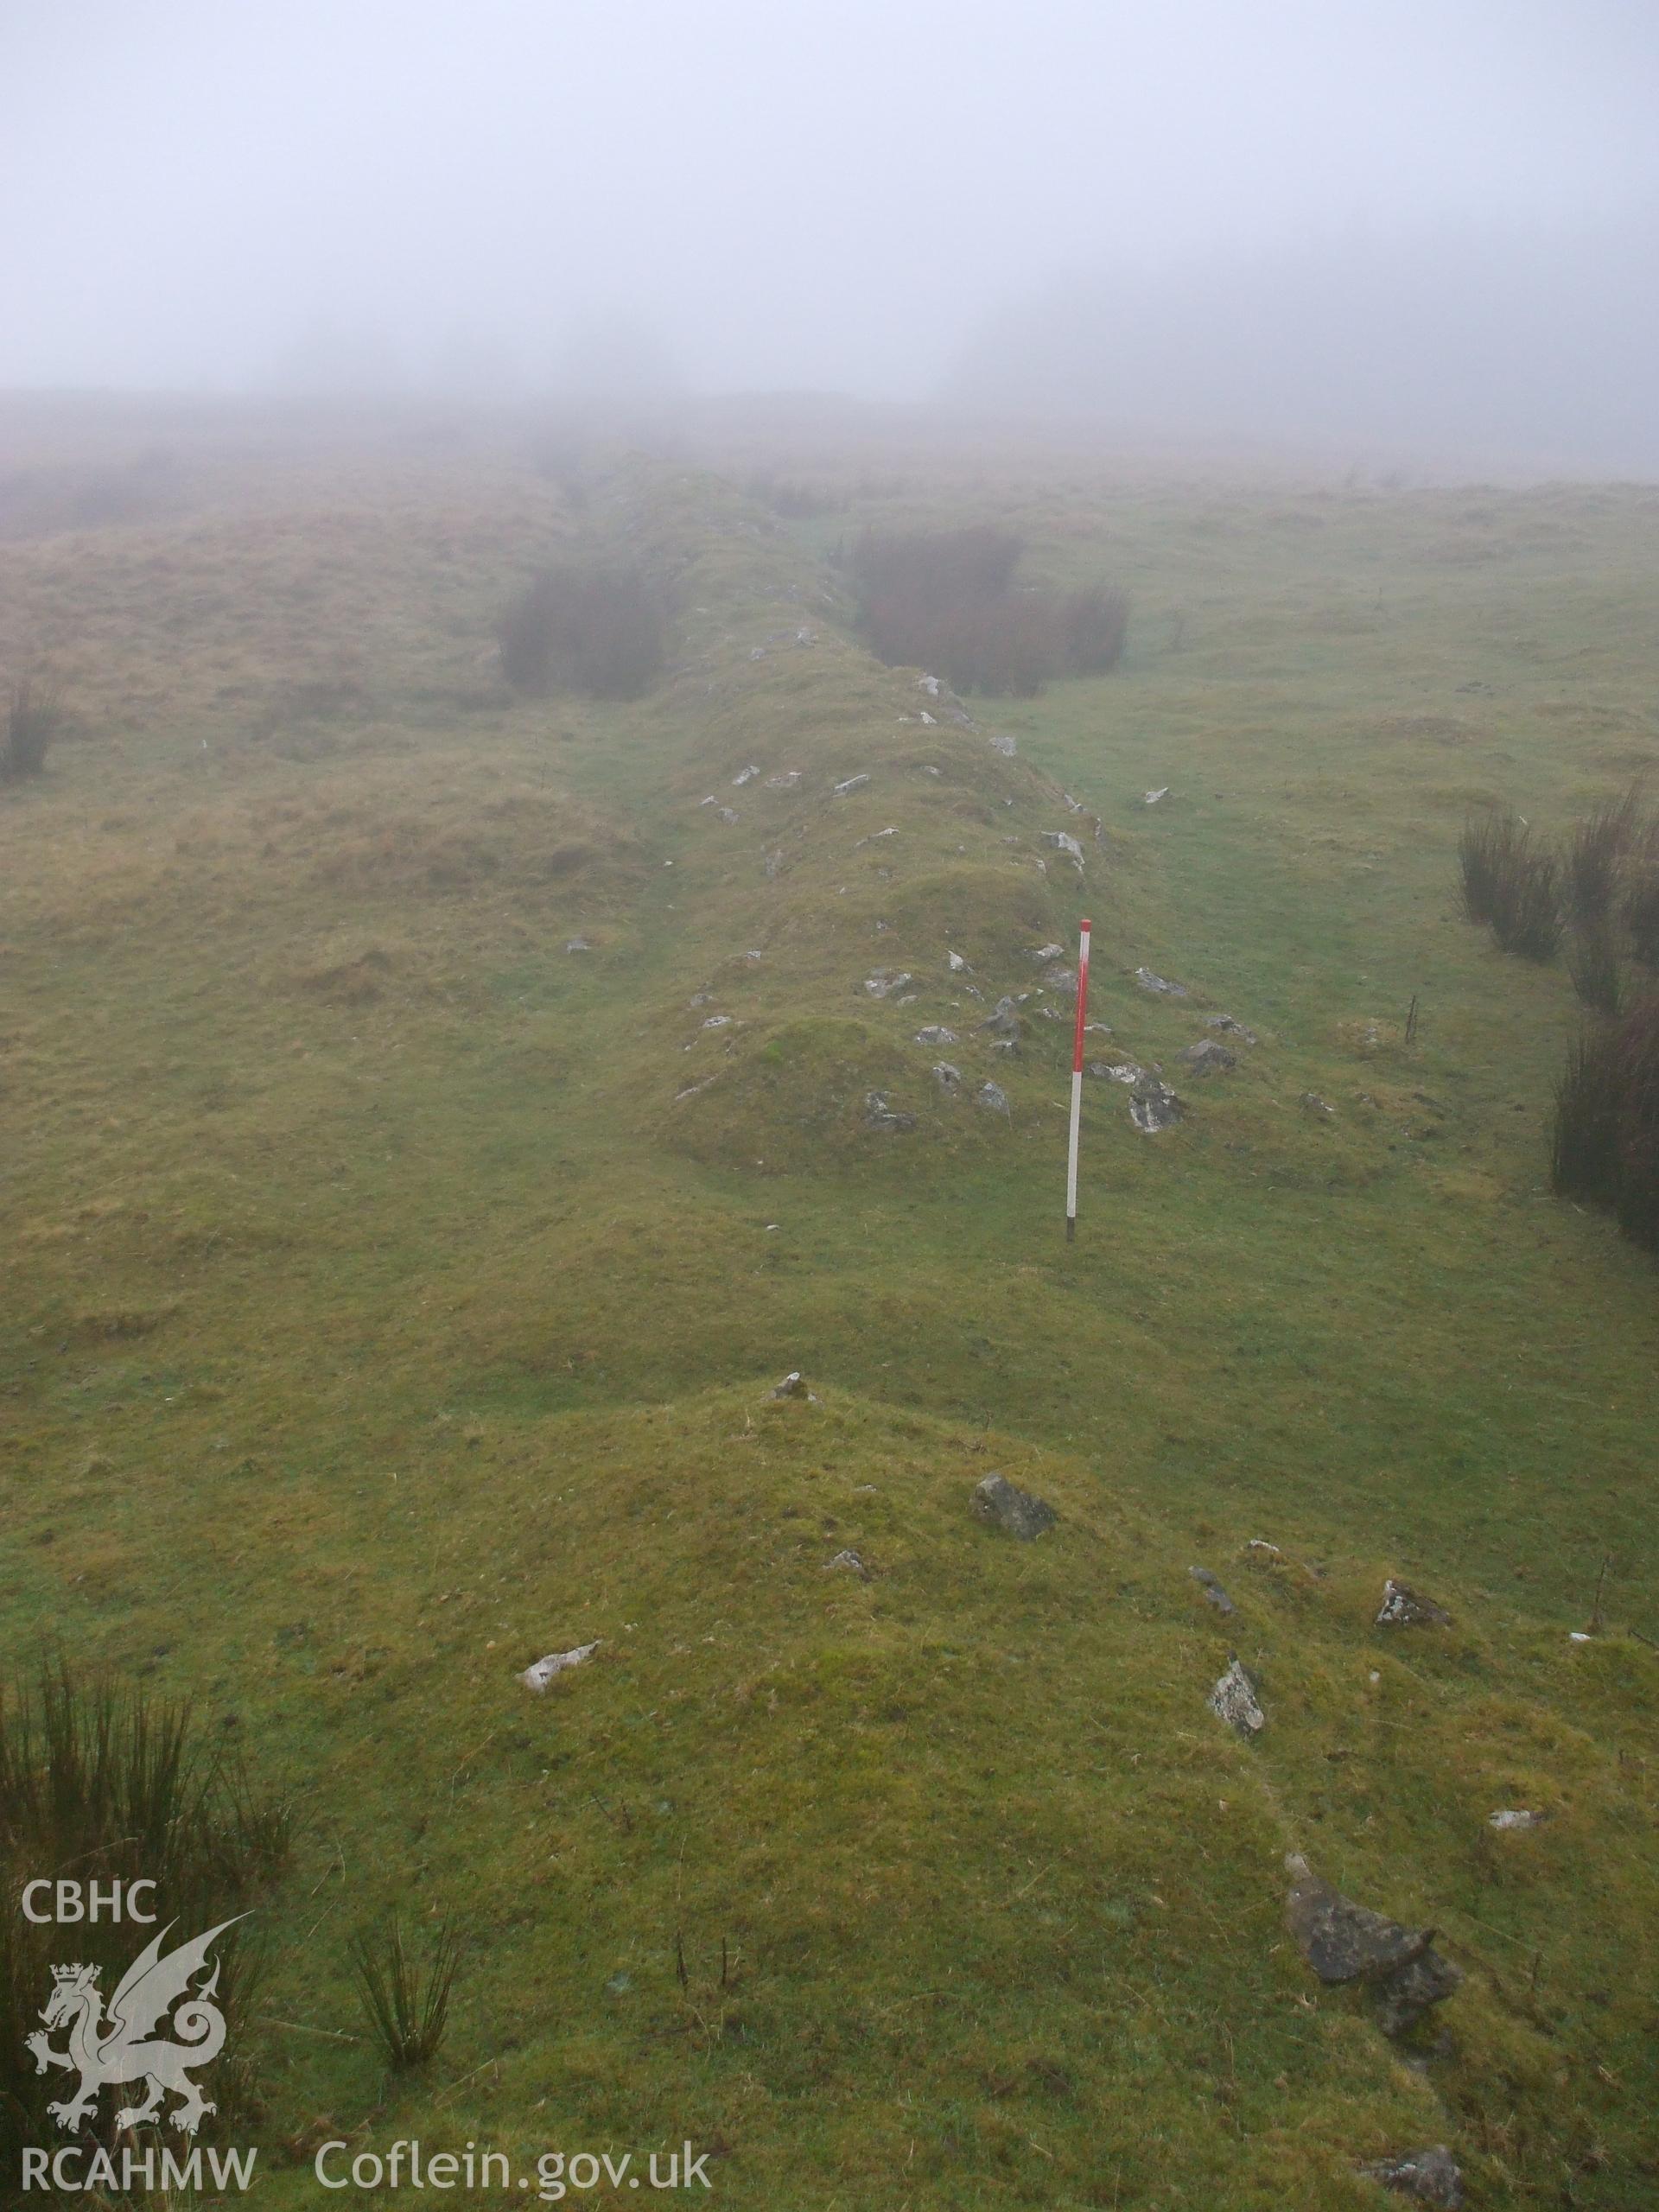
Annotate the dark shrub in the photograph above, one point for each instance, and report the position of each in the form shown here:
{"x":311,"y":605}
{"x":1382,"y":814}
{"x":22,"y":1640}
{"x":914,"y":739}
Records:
{"x":106,"y":1786}
{"x":599,"y":630}
{"x":1595,"y":850}
{"x":1510,"y":882}
{"x":1093,"y":625}
{"x":936,"y":572}
{"x":1485,"y":851}
{"x":1641,"y":906}
{"x":1527,"y":918}
{"x":1605,"y":1131}
{"x":946,"y":600}
{"x":1584,"y":1131}
{"x":1007,"y":648}
{"x":34,"y":715}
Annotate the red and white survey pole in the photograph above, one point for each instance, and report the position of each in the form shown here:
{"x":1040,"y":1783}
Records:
{"x":1077,"y":1084}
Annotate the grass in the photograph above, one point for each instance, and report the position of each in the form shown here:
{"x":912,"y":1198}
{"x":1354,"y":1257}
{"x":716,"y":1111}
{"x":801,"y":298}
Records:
{"x":102,"y":1786}
{"x":406,"y":2008}
{"x":384,"y":1314}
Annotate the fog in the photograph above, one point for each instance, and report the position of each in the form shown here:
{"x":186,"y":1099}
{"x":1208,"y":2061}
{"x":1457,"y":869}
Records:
{"x":1395,"y":225}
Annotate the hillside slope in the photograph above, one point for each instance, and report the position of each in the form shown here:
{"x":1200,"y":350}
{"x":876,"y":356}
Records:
{"x":395,"y":1294}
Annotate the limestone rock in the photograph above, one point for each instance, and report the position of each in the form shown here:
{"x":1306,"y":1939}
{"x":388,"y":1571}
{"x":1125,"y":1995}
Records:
{"x":1002,"y":1504}
{"x":1153,"y":1106}
{"x":851,"y":784}
{"x":1207,"y":1058}
{"x":1404,"y":1607}
{"x":1159,"y":985}
{"x":537,"y":1677}
{"x":1234,"y":1701}
{"x":1063,"y":841}
{"x":1345,"y":1942}
{"x":936,"y":1033}
{"x":879,"y":1114}
{"x":1432,"y":2177}
{"x":1211,"y":1586}
{"x":993,"y":1096}
{"x":1230,"y":1027}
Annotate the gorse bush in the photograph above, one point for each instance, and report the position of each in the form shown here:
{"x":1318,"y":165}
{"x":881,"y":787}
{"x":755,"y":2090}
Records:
{"x":1603,"y":1136}
{"x":947,"y":600}
{"x":579,"y":628}
{"x":34,"y":715}
{"x":1596,"y":971}
{"x":102,"y":1786}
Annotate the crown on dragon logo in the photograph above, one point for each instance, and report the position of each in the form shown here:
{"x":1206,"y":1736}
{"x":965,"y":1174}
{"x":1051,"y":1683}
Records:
{"x":76,"y":1976}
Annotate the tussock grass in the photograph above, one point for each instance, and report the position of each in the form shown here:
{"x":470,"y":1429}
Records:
{"x":35,"y":717}
{"x":99,"y":1784}
{"x":1596,"y":850}
{"x":1510,"y":882}
{"x":406,"y":2006}
{"x":1604,"y":1135}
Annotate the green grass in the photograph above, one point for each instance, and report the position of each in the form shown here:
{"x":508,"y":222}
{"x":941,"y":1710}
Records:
{"x":380,"y":1316}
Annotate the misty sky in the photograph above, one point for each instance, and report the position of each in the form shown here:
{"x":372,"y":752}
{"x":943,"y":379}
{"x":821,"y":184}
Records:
{"x":778,"y":193}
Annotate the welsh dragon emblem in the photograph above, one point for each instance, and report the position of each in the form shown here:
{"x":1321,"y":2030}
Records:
{"x":119,"y":2046}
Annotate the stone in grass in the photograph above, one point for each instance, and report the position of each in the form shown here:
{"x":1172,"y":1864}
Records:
{"x":578,"y":944}
{"x":936,"y":1033}
{"x":1230,"y":1026}
{"x":885,"y":980}
{"x":1128,"y":1072}
{"x":995,"y":1099}
{"x":1345,"y":1942}
{"x":1002,"y":1504}
{"x":946,"y":1076}
{"x":1515,"y":1818}
{"x":1153,"y":1106}
{"x":1159,"y":985}
{"x":852,"y":784}
{"x":879,"y":1114}
{"x":1063,"y":841}
{"x":1404,"y":1607}
{"x":537,"y":1677}
{"x":850,"y":1563}
{"x":792,"y":1386}
{"x":1234,"y":1701}
{"x":1003,"y":1020}
{"x":1211,"y":1586}
{"x":1432,"y":2177}
{"x":1207,"y":1058}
